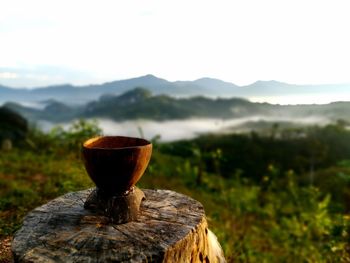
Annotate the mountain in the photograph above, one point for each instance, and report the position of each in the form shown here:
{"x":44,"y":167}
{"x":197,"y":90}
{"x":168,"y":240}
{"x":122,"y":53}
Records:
{"x":271,"y":87}
{"x":276,"y":88}
{"x":220,"y":85}
{"x":12,"y":125}
{"x":54,"y":111}
{"x":139,"y":103}
{"x":70,"y":94}
{"x":209,"y":87}
{"x":80,"y":95}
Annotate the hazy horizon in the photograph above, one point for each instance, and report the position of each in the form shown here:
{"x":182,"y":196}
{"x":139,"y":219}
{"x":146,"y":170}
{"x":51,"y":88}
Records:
{"x":306,"y":94}
{"x":160,"y":77}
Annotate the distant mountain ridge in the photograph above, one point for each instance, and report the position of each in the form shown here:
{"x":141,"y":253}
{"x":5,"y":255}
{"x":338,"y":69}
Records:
{"x":139,"y":103}
{"x":208,"y":87}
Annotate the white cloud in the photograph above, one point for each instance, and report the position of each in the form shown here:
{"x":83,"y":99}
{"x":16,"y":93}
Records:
{"x":8,"y":75}
{"x":38,"y":76}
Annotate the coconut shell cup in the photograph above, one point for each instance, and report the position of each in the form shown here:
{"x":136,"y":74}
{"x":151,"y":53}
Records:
{"x":116,"y":163}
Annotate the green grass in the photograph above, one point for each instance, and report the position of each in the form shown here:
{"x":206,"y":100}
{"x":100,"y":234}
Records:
{"x":29,"y":179}
{"x":280,"y":219}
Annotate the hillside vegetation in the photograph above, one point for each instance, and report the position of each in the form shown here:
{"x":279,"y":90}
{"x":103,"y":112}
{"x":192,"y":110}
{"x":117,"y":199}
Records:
{"x":139,"y":103}
{"x":278,"y":197}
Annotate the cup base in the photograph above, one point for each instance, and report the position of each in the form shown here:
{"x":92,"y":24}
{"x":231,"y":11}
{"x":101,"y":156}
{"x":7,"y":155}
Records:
{"x":119,"y":209}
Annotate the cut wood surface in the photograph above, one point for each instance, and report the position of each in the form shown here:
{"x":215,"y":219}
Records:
{"x":171,"y":228}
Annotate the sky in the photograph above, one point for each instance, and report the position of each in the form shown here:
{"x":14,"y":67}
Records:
{"x":81,"y":42}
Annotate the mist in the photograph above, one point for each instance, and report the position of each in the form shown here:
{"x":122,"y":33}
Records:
{"x":174,"y":130}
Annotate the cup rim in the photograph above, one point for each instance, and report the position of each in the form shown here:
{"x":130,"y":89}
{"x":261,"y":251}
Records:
{"x":91,"y":140}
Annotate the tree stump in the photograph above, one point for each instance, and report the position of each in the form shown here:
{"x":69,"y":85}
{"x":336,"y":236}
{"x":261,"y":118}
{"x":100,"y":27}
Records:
{"x":171,"y":227}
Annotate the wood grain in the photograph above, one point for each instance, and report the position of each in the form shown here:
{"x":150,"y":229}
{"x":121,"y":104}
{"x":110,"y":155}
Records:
{"x":171,"y":228}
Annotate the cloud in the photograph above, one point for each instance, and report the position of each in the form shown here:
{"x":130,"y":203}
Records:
{"x":8,"y":75}
{"x":42,"y":75}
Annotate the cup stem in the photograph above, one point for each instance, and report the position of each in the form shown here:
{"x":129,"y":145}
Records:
{"x":119,"y":209}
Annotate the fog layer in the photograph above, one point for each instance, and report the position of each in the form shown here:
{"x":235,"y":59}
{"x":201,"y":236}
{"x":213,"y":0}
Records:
{"x":173,"y":130}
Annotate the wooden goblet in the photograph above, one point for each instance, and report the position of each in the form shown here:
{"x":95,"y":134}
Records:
{"x":115,"y":164}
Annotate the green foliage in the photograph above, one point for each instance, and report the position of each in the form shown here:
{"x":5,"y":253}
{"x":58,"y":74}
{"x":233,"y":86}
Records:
{"x":277,"y":220}
{"x":60,"y":140}
{"x":78,"y":132}
{"x":303,"y":151}
{"x":47,"y":166}
{"x":12,"y":126}
{"x":276,"y":215}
